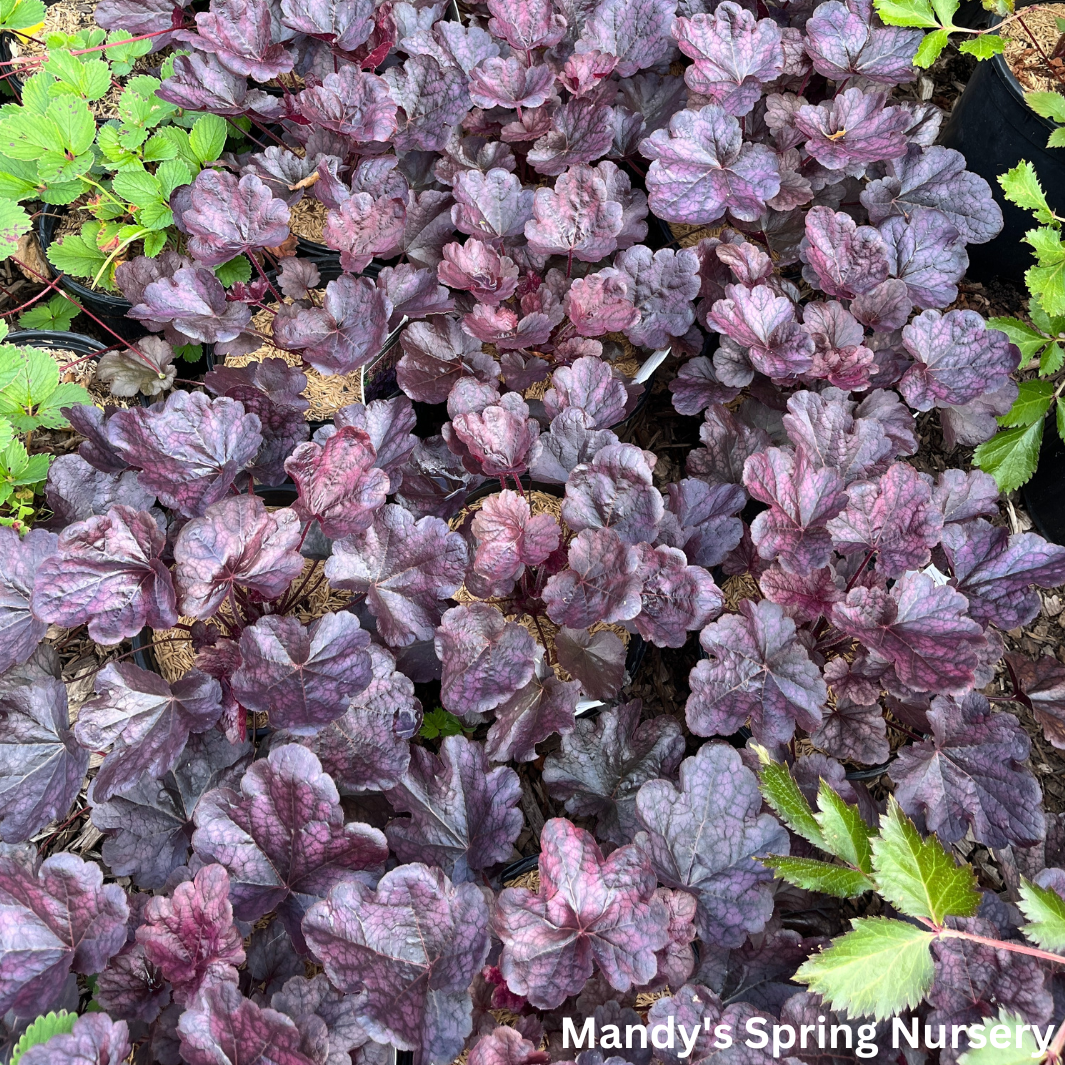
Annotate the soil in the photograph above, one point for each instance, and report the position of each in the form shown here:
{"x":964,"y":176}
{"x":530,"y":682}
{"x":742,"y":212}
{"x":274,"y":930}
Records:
{"x":621,"y":352}
{"x":1031,"y":41}
{"x":81,"y":370}
{"x":307,"y":219}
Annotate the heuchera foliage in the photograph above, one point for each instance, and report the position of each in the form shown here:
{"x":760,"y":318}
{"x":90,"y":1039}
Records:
{"x":493,"y":561}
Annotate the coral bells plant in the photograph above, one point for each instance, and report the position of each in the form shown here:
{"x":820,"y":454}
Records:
{"x":539,"y":203}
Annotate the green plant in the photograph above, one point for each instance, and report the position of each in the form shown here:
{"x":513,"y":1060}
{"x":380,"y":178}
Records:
{"x":937,"y":17}
{"x":122,"y":173}
{"x":42,"y":1030}
{"x":439,"y":722}
{"x":22,"y":16}
{"x":57,"y":313}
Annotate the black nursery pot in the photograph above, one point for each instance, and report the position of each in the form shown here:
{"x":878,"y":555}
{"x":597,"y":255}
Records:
{"x":55,"y":340}
{"x":995,"y":129}
{"x":1044,"y":494}
{"x":13,"y":81}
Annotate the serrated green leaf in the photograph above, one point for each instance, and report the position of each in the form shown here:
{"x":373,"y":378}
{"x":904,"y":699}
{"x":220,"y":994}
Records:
{"x":1045,"y":910}
{"x":56,"y":313}
{"x":7,"y":432}
{"x":1021,"y":186}
{"x":88,"y":77}
{"x":1027,"y":338}
{"x":1010,"y":456}
{"x":55,"y":165}
{"x":207,"y":138}
{"x":1048,"y":104}
{"x":26,"y":135}
{"x":49,"y":414}
{"x":25,"y":15}
{"x":75,"y":123}
{"x":945,"y":11}
{"x":42,"y":1029}
{"x":76,"y":256}
{"x":1027,"y":1054}
{"x":812,"y":875}
{"x":1056,"y":139}
{"x":906,"y":13}
{"x":1032,"y":402}
{"x":158,"y":148}
{"x":180,"y":140}
{"x":783,"y":794}
{"x":879,"y":968}
{"x":18,"y":466}
{"x":983,"y":47}
{"x":14,"y":222}
{"x":36,"y":381}
{"x":238,"y":269}
{"x":154,"y":242}
{"x":930,"y":48}
{"x":845,"y":833}
{"x":1059,"y":418}
{"x":138,"y":187}
{"x":1052,"y":359}
{"x":919,"y":877}
{"x":59,"y":192}
{"x":155,"y":216}
{"x":35,"y":98}
{"x":172,"y":174}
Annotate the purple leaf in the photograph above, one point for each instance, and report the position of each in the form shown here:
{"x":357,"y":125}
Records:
{"x":148,"y":828}
{"x":697,"y":387}
{"x":230,"y":216}
{"x":734,"y":53}
{"x":676,"y":597}
{"x":587,"y":909}
{"x":220,"y":1024}
{"x":191,"y":937}
{"x":579,"y":217}
{"x":340,"y":25}
{"x":464,"y":817}
{"x":436,"y":354}
{"x":702,"y":167}
{"x":526,"y":25}
{"x":615,"y":491}
{"x":973,"y":774}
{"x":591,"y":386}
{"x":200,"y":82}
{"x":432,"y":99}
{"x":149,"y":368}
{"x":405,"y":568}
{"x":191,"y":451}
{"x":506,"y":1046}
{"x":543,"y":707}
{"x":804,"y":596}
{"x":934,"y":177}
{"x":106,"y":573}
{"x":131,"y":988}
{"x":571,"y":441}
{"x":238,"y":32}
{"x":338,"y":482}
{"x":844,"y":43}
{"x":138,"y":17}
{"x":491,"y":204}
{"x":285,"y":174}
{"x":637,"y":33}
{"x":919,"y":627}
{"x":496,"y":82}
{"x":597,"y":660}
{"x":317,"y":1000}
{"x":756,"y":668}
{"x":509,"y":537}
{"x":884,"y":308}
{"x":1040,"y":686}
{"x":843,"y":259}
{"x":602,"y":582}
{"x":704,"y":837}
{"x":410,"y":948}
{"x":854,"y":731}
{"x":957,"y":358}
{"x":238,"y":542}
{"x":91,"y":422}
{"x":501,"y":438}
{"x":928,"y":253}
{"x":996,"y":571}
{"x":479,"y":269}
{"x":283,"y":839}
{"x":59,"y":918}
{"x":363,"y":227}
{"x":42,"y":768}
{"x":193,"y":301}
{"x":802,"y":500}
{"x":387,"y":422}
{"x":302,"y":677}
{"x":854,"y":127}
{"x":840,"y":356}
{"x":486,"y":659}
{"x":977,"y":421}
{"x":603,"y":763}
{"x":350,"y":102}
{"x":601,"y":303}
{"x":893,"y":517}
{"x":413,"y":292}
{"x":145,"y":721}
{"x":666,"y":282}
{"x":19,"y":561}
{"x":94,"y":1040}
{"x":962,"y":495}
{"x":727,"y":444}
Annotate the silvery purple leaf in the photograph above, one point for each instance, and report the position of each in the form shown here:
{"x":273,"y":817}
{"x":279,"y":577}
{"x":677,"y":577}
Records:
{"x":854,"y":127}
{"x":996,"y":571}
{"x":666,"y":281}
{"x":957,"y":358}
{"x":428,"y":227}
{"x":702,"y":167}
{"x":601,"y":583}
{"x":145,"y":721}
{"x":20,"y":560}
{"x":464,"y":816}
{"x":543,"y":707}
{"x":491,"y":204}
{"x":338,"y":482}
{"x":283,"y":172}
{"x":107,"y":573}
{"x":42,"y":768}
{"x":935,"y":177}
{"x":843,"y":259}
{"x":343,"y":26}
{"x":317,"y":1000}
{"x":616,"y":491}
{"x":727,"y":444}
{"x":590,"y":385}
{"x":704,"y":837}
{"x":971,"y":775}
{"x":840,"y":356}
{"x":363,"y":227}
{"x":520,"y":373}
{"x":432,"y":99}
{"x":500,"y":326}
{"x":496,"y":82}
{"x":193,"y":301}
{"x":342,"y":335}
{"x":804,"y":596}
{"x":191,"y":936}
{"x":200,"y":82}
{"x":436,"y":353}
{"x":94,"y":1040}
{"x":131,"y":988}
{"x":229,"y":216}
{"x":757,"y":668}
{"x":884,"y":308}
{"x":637,"y":33}
{"x":60,"y":918}
{"x":148,"y":828}
{"x":506,"y":1046}
{"x":765,"y":324}
{"x":976,"y":421}
{"x":962,"y":495}
{"x":928,"y":253}
{"x":486,"y":659}
{"x":706,"y":529}
{"x":501,"y":438}
{"x":802,"y":499}
{"x":607,"y":908}
{"x":697,"y":387}
{"x":855,"y":731}
{"x":387,"y":422}
{"x":405,"y":568}
{"x":190,"y":451}
{"x":578,"y":217}
{"x":236,"y":542}
{"x":413,"y":292}
{"x":479,"y":269}
{"x":676,"y":597}
{"x":283,"y":839}
{"x":238,"y":33}
{"x":220,"y":1024}
{"x":603,"y":763}
{"x":601,"y":303}
{"x":526,"y":25}
{"x":91,"y":422}
{"x":303,"y":677}
{"x":410,"y":949}
{"x":894,"y":517}
{"x":509,"y":537}
{"x":571,"y":440}
{"x":845,"y":43}
{"x":919,"y":627}
{"x":734,"y":53}
{"x":140,"y":16}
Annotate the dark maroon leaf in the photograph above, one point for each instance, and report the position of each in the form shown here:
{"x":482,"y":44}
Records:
{"x":602,"y":583}
{"x":596,"y":660}
{"x":193,"y":302}
{"x":362,"y":227}
{"x":615,"y":491}
{"x":238,"y":32}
